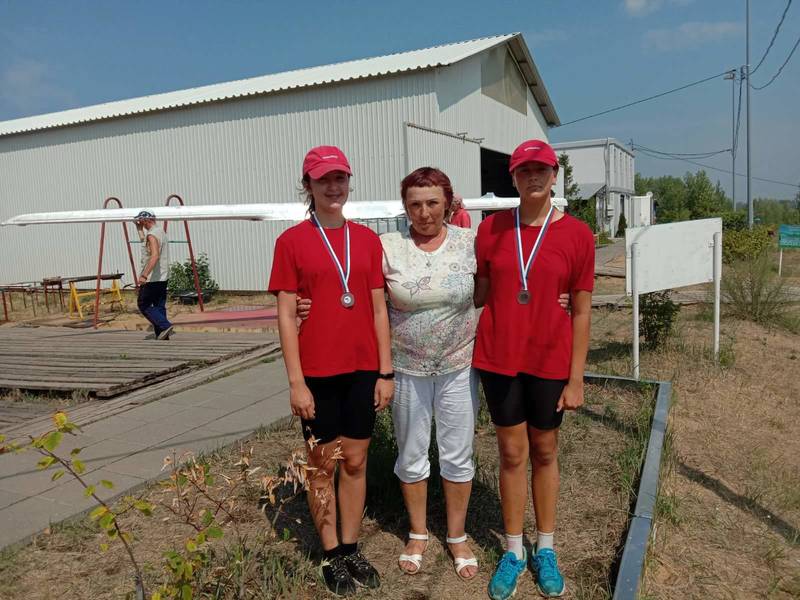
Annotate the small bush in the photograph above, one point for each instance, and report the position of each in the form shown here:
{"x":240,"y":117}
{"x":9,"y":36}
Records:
{"x":181,"y":278}
{"x":745,"y":244}
{"x":733,"y":220}
{"x":622,"y":226}
{"x":754,"y":292}
{"x":603,"y":239}
{"x":657,"y":314}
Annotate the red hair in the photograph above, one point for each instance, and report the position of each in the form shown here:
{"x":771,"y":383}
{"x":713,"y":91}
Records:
{"x":427,"y":177}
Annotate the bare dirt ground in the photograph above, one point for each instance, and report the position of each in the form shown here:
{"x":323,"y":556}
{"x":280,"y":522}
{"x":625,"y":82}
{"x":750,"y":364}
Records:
{"x":127,"y":316}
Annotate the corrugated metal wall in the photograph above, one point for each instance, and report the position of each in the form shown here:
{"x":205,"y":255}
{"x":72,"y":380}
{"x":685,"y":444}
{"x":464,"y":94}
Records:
{"x":239,"y":151}
{"x":460,"y":159}
{"x":464,"y":109}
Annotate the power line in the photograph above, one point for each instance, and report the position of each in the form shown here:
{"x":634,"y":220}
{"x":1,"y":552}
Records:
{"x":708,"y":154}
{"x":774,"y":36}
{"x":678,"y":89}
{"x":774,"y":77}
{"x":729,"y":172}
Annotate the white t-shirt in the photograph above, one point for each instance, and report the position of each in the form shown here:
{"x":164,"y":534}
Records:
{"x":431,"y":309}
{"x":161,"y":270}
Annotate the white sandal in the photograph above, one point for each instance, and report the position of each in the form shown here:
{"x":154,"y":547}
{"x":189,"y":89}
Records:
{"x":459,"y":562}
{"x":414,"y":559}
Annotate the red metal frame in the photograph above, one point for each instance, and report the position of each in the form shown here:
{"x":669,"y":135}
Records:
{"x":191,"y":251}
{"x":100,"y":260}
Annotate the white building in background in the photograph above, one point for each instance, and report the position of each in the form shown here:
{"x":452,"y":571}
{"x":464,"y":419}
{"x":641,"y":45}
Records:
{"x":462,"y":107}
{"x":604,"y":170}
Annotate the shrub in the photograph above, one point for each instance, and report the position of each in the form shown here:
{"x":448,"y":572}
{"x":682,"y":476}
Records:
{"x":657,"y":314}
{"x":733,"y":220}
{"x":754,"y":292}
{"x":623,"y":224}
{"x":181,"y":278}
{"x":603,"y":239}
{"x":745,"y":244}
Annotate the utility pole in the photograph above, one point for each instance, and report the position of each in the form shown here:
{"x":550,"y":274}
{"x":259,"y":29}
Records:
{"x":732,"y":76}
{"x":747,"y":81}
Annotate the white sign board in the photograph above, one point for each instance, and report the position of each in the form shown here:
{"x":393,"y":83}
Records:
{"x":672,"y":255}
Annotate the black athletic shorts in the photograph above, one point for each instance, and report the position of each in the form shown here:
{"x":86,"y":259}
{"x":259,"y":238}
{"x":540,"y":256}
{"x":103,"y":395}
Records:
{"x":522,"y":398}
{"x":344,"y":405}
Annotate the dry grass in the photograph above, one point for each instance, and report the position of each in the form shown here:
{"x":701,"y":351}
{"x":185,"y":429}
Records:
{"x":593,"y":511}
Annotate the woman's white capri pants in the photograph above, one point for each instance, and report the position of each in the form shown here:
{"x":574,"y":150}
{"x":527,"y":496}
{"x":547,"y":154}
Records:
{"x":453,"y":400}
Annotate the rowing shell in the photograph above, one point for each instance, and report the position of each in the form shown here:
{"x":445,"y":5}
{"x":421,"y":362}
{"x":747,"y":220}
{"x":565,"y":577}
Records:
{"x":292,"y":211}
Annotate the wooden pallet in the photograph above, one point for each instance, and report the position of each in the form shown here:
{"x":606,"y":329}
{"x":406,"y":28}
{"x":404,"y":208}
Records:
{"x":108,"y":363}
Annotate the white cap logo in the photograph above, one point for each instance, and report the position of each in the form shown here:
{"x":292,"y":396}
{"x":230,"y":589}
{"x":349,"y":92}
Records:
{"x":329,"y":157}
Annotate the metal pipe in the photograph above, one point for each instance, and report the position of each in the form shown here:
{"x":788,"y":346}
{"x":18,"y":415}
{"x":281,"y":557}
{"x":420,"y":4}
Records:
{"x":100,"y":259}
{"x":191,"y":252}
{"x":635,"y":294}
{"x":747,"y":69}
{"x":717,"y":280}
{"x":5,"y":308}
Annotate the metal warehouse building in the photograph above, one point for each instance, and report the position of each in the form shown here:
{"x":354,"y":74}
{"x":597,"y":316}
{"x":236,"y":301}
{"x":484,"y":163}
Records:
{"x":462,"y":107}
{"x":604,"y":169}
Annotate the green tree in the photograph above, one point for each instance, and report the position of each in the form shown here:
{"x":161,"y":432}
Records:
{"x":582,"y":208}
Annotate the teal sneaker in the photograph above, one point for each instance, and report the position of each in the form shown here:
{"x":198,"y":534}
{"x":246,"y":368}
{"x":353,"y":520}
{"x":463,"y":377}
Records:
{"x":545,"y":571}
{"x":504,"y":581}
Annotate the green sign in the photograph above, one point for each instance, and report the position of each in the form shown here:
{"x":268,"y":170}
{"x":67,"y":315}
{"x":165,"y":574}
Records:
{"x":789,"y":236}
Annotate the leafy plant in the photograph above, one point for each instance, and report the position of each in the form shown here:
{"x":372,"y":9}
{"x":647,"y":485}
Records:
{"x":106,"y":516}
{"x":745,"y":244}
{"x":657,"y":314}
{"x":181,"y":277}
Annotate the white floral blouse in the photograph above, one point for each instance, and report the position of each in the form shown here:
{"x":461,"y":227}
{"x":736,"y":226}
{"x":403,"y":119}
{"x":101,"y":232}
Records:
{"x":431,"y":310}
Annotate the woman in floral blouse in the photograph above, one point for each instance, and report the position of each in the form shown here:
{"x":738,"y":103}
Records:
{"x":430,"y":278}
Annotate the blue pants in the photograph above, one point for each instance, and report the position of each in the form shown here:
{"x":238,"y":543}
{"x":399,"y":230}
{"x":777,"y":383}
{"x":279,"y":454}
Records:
{"x":153,"y":304}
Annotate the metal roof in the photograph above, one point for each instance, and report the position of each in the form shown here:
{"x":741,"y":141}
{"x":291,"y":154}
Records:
{"x":588,"y":190}
{"x":414,"y":60}
{"x":591,"y":144}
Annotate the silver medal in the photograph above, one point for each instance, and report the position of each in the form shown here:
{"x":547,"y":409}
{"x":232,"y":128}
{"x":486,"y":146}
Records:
{"x":524,"y":296}
{"x":348,"y":300}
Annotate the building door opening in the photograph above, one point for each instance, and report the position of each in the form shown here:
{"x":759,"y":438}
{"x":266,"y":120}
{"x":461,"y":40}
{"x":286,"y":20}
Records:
{"x":495,"y":177}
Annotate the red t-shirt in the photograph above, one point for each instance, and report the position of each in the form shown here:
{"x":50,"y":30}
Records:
{"x":333,"y":339}
{"x":533,"y":338}
{"x":461,"y":218}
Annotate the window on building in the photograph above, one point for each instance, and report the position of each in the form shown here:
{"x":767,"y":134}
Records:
{"x":502,"y":81}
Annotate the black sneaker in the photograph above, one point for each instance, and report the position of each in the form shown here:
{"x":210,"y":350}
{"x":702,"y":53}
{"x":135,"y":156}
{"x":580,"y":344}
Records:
{"x":363,"y":572}
{"x":337,"y":577}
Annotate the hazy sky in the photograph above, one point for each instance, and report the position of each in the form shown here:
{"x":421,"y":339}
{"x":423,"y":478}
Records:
{"x":592,"y":55}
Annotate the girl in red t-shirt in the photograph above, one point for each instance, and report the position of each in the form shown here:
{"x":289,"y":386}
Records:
{"x":339,"y":362}
{"x":530,"y":353}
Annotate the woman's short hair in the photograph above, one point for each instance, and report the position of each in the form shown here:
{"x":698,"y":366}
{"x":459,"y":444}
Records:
{"x":427,"y":177}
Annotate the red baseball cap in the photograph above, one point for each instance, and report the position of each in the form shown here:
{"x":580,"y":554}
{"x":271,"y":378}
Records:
{"x":324,"y":159}
{"x":533,"y":151}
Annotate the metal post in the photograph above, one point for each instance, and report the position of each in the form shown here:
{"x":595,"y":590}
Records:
{"x":635,"y":294}
{"x":191,"y":252}
{"x":5,"y":307}
{"x":747,"y":82}
{"x":717,"y":281}
{"x":780,"y":261}
{"x":100,"y":260}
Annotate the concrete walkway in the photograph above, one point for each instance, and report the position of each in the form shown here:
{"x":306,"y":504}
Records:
{"x":128,"y":448}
